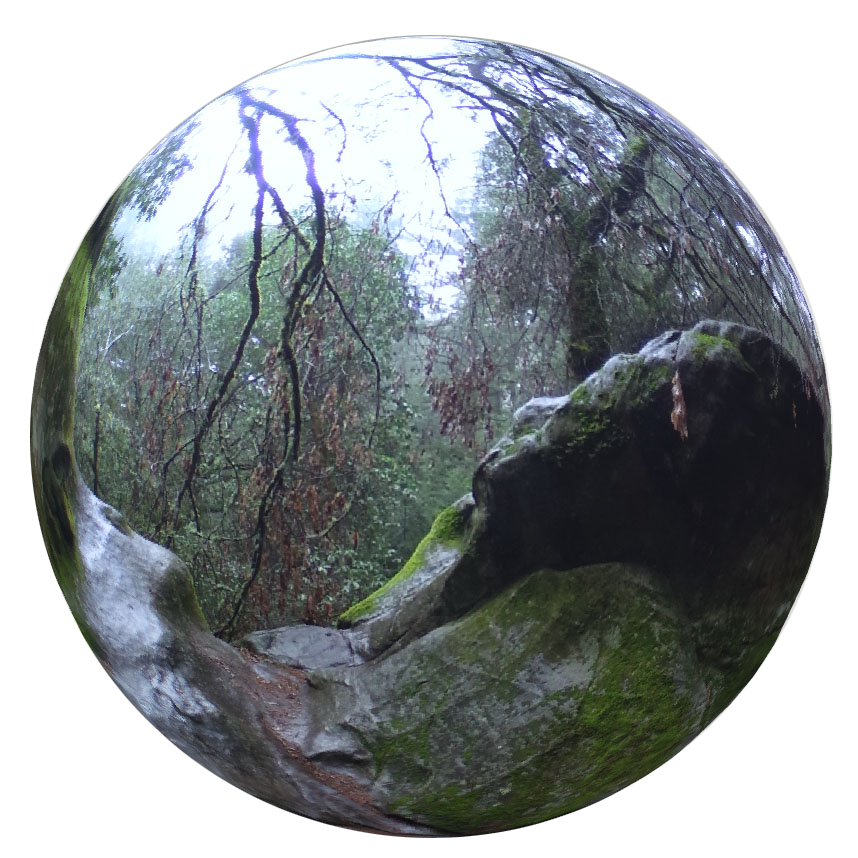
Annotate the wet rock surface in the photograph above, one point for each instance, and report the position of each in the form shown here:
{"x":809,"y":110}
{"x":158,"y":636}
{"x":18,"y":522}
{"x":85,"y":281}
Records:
{"x":307,"y":647}
{"x":625,"y":563}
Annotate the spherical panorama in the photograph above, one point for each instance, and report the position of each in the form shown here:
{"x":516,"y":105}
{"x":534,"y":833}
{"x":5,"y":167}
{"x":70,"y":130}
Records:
{"x":430,"y":436}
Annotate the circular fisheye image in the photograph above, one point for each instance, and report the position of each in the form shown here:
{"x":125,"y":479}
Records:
{"x":430,"y":436}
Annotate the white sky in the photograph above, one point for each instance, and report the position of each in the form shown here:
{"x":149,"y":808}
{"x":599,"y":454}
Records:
{"x":383,"y":155}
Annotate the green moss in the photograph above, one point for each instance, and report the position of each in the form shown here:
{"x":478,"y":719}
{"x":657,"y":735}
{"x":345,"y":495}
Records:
{"x":446,"y":530}
{"x":632,"y":718}
{"x":704,"y":344}
{"x":52,"y":422}
{"x":176,"y":597}
{"x":448,"y":527}
{"x":413,"y":743}
{"x":632,"y":383}
{"x":592,"y":423}
{"x":516,"y":434}
{"x":653,"y":379}
{"x":581,"y":395}
{"x":458,"y":768}
{"x":637,"y":145}
{"x":589,"y":427}
{"x":52,"y":414}
{"x":637,"y":382}
{"x":518,"y":441}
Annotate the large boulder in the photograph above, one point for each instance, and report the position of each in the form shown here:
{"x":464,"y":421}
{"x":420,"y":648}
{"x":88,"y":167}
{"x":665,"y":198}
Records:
{"x":623,"y":564}
{"x":701,"y":456}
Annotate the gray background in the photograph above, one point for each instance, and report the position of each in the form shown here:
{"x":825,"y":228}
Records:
{"x":761,"y":104}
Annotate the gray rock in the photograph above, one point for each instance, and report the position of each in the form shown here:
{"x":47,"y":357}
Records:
{"x":623,"y":573}
{"x":535,"y":412}
{"x":617,"y":575}
{"x":307,"y":647}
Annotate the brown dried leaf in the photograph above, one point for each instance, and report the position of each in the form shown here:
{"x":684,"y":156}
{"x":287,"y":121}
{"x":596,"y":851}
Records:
{"x":679,"y":416}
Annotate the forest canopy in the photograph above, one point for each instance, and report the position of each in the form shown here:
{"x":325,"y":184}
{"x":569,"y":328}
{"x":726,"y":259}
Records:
{"x":323,"y":297}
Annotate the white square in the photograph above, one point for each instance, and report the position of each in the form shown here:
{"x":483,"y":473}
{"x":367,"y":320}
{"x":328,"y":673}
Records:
{"x":799,"y":792}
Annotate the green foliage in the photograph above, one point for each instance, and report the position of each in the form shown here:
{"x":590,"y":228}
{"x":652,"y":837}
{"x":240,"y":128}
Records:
{"x":152,"y":181}
{"x":292,"y":452}
{"x":347,"y":515}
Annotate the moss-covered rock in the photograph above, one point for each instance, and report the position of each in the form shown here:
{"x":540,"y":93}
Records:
{"x":626,"y":567}
{"x":565,"y":687}
{"x":55,"y":480}
{"x":716,"y":501}
{"x":399,"y":605}
{"x":446,"y":532}
{"x":617,"y":575}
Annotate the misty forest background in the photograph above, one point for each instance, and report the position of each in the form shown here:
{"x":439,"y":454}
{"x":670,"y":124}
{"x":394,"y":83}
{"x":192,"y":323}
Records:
{"x":288,"y":408}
